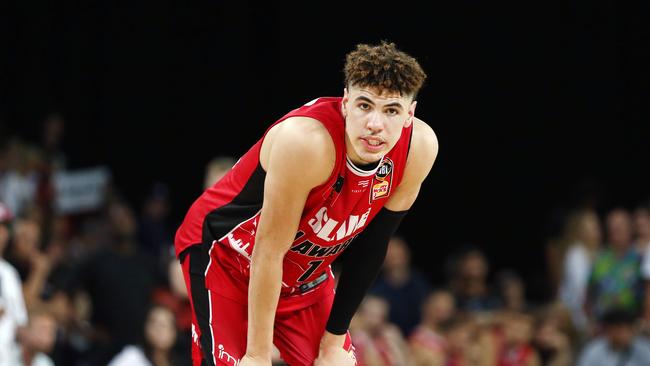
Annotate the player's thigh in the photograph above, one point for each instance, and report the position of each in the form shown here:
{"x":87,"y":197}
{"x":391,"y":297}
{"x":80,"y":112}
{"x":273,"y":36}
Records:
{"x":218,"y":323}
{"x":225,"y":339}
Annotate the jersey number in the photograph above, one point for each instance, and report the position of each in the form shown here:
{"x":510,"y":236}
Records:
{"x":313,"y":265}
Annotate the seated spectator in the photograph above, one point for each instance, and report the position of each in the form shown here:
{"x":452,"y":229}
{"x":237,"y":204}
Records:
{"x":461,"y":345}
{"x":512,"y":340}
{"x":642,"y":229}
{"x":427,"y":343}
{"x":159,"y":339}
{"x":216,"y":169}
{"x":377,"y":342}
{"x":32,"y":264}
{"x":402,"y":286}
{"x":37,"y":339}
{"x":551,"y":340}
{"x":615,"y":280}
{"x":173,"y":295}
{"x":512,"y":291}
{"x":469,"y":282}
{"x":583,"y":235}
{"x":12,"y":305}
{"x":619,"y":345}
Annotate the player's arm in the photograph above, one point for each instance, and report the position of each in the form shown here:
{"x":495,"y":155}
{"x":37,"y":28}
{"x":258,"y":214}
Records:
{"x":361,"y":262}
{"x":298,"y":155}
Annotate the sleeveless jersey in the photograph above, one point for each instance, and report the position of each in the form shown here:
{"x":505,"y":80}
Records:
{"x":226,"y":215}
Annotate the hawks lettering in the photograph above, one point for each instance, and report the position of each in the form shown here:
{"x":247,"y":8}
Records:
{"x":314,"y":250}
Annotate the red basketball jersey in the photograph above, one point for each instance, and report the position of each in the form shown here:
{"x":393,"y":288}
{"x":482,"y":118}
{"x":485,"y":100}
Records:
{"x":227,"y":214}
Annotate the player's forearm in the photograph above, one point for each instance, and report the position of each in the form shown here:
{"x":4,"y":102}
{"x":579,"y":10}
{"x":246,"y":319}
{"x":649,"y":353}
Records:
{"x":263,"y":295}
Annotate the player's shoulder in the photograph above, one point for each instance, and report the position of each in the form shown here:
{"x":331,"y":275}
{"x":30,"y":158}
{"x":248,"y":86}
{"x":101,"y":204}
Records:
{"x":424,"y":142}
{"x":300,"y":144}
{"x":304,"y":134}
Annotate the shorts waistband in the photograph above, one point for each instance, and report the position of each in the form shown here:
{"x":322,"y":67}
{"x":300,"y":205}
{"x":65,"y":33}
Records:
{"x":306,"y":287}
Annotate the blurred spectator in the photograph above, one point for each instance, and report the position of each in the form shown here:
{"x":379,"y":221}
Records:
{"x":154,"y":232}
{"x":173,"y":295}
{"x":585,"y":196}
{"x":552,"y":341}
{"x":216,"y":169}
{"x":427,"y":343}
{"x":513,"y":340}
{"x":615,"y":279}
{"x":461,"y":336}
{"x":53,"y":131}
{"x":18,"y":185}
{"x":159,"y":338}
{"x":37,"y":339}
{"x":619,"y":345}
{"x":32,"y":264}
{"x":403,"y":287}
{"x":512,"y":291}
{"x":469,"y":282}
{"x":642,"y":243}
{"x":583,"y":235}
{"x":12,"y":305}
{"x":377,"y":342}
{"x":119,"y":281}
{"x":53,"y":161}
{"x":642,"y":229}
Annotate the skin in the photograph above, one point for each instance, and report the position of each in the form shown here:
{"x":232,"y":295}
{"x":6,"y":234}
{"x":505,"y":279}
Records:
{"x":372,"y":117}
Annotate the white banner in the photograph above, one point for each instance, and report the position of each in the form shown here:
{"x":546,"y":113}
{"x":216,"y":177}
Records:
{"x":80,"y":190}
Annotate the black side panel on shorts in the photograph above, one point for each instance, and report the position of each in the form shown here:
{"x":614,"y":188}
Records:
{"x":244,"y":206}
{"x":198,"y":257}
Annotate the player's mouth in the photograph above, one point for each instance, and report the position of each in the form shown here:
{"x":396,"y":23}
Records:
{"x":373,"y":144}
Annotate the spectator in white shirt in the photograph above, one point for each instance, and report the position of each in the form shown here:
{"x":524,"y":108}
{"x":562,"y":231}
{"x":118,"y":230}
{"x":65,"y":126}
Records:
{"x":12,"y":305}
{"x":619,"y":346}
{"x":583,"y":232}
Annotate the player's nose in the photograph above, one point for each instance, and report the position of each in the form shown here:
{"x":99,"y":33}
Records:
{"x":375,"y":122}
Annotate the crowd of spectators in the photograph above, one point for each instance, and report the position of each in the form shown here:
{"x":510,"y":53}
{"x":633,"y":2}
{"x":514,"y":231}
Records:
{"x":100,"y":285}
{"x":599,"y":313}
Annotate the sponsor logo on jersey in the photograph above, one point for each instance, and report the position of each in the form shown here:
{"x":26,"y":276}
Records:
{"x":382,"y":181}
{"x":379,"y":190}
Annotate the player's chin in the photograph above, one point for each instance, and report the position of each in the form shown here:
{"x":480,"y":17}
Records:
{"x":372,"y":157}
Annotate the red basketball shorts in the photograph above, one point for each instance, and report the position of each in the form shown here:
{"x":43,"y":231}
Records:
{"x":219,"y":326}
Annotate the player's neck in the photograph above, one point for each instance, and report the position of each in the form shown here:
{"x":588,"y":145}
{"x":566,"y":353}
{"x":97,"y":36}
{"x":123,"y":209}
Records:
{"x":368,"y":167}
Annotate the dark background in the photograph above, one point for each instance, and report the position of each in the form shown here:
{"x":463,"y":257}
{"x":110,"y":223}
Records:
{"x":536,"y":104}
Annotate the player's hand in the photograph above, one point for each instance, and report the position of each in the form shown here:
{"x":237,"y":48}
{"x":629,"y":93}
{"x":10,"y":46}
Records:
{"x":252,"y":361}
{"x":332,"y":353}
{"x":335,"y":357}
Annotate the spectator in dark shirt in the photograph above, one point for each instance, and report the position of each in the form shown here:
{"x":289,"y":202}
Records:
{"x":403,"y":287}
{"x":469,"y":282}
{"x":119,"y":282}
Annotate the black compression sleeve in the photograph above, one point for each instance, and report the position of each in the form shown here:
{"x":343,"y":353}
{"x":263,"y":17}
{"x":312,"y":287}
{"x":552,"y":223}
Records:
{"x":360,"y":264}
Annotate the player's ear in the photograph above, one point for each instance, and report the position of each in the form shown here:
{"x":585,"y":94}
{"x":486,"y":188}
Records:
{"x":344,"y":102}
{"x":411,"y":113}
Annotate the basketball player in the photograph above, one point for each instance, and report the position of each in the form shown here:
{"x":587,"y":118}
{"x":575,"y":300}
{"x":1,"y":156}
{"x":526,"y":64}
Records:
{"x":332,"y":178}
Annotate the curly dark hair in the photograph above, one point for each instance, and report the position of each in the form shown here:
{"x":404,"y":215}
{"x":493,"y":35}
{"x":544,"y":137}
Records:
{"x":385,"y":67}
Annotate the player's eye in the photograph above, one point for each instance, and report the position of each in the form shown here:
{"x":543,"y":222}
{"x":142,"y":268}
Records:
{"x":392,"y":111}
{"x":364,"y":106}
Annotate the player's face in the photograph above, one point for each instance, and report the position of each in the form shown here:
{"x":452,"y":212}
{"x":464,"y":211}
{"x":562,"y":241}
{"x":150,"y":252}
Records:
{"x":374,"y":120}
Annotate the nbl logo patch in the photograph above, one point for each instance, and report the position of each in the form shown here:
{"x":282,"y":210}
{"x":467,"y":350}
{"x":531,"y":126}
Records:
{"x":382,"y":180}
